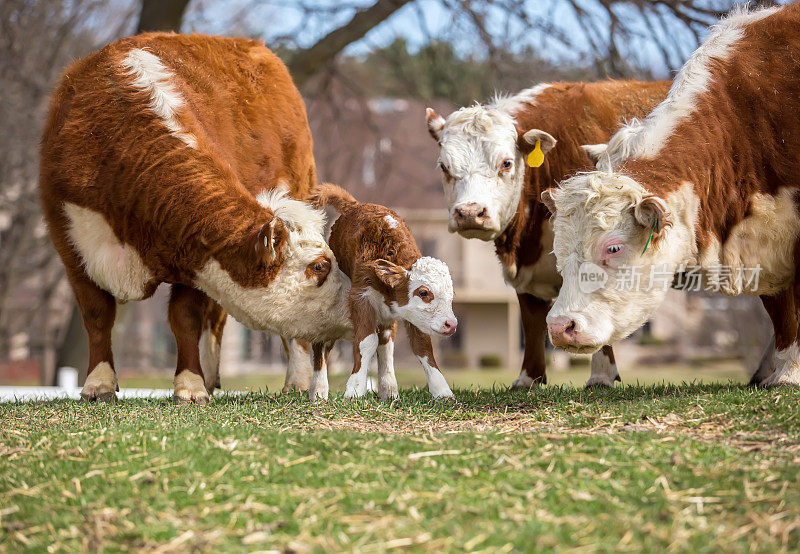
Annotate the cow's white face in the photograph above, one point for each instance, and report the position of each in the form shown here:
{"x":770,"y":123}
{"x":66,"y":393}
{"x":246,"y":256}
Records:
{"x":611,"y":284}
{"x":483,"y":169}
{"x":307,"y":298}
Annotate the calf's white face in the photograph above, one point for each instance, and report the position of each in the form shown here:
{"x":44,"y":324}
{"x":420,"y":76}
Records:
{"x":482,"y":168}
{"x":423,"y":295}
{"x":617,"y":249}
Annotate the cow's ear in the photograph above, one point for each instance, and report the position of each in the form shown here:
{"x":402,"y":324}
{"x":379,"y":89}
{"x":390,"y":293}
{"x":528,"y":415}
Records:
{"x":435,"y":124}
{"x":267,"y":240}
{"x":652,"y":213}
{"x":386,"y":272}
{"x":531,"y":137}
{"x":547,"y":200}
{"x":595,"y":151}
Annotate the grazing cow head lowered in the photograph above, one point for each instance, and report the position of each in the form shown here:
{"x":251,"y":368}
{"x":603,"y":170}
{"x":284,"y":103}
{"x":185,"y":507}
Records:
{"x":618,"y":248}
{"x":296,"y":288}
{"x":482,"y":158}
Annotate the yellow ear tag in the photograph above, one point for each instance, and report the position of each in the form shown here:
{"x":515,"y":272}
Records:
{"x":536,"y":157}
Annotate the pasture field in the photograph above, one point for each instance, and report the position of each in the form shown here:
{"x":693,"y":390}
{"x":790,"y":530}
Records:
{"x":692,"y":467}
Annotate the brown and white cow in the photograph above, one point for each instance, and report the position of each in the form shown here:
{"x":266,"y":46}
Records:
{"x":493,"y":194}
{"x":161,"y":162}
{"x":391,"y":280}
{"x":707,"y":183}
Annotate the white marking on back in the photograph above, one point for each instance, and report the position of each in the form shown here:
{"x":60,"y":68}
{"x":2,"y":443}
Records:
{"x":645,"y":139}
{"x":112,"y":265}
{"x":390,"y":221}
{"x":153,"y":77}
{"x":513,"y":104}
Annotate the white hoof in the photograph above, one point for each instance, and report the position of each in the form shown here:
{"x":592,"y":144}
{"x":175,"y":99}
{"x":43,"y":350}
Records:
{"x":525,"y":382}
{"x":319,"y":388}
{"x":600,"y":381}
{"x":101,"y":384}
{"x":784,"y":378}
{"x":387,"y":388}
{"x":439,"y":388}
{"x":189,"y":387}
{"x":356,"y":385}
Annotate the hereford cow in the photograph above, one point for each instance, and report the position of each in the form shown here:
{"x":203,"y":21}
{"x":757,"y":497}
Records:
{"x":160,"y":162}
{"x":493,"y":194}
{"x":706,"y":184}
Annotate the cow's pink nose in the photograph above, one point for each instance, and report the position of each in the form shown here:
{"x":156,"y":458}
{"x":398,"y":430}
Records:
{"x":449,"y":327}
{"x":471,"y":215}
{"x":562,"y":331}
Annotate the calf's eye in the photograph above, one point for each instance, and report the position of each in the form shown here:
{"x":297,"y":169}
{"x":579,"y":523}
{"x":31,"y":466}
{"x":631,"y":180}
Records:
{"x":614,"y":248}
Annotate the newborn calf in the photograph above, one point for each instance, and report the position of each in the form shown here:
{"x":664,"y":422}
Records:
{"x":391,"y":280}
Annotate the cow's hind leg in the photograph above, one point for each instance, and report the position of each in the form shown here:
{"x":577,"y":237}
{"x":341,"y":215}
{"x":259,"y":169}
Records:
{"x":98,"y":309}
{"x":365,"y":345}
{"x":534,"y":326}
{"x":319,"y":381}
{"x":387,"y":382}
{"x":782,"y":310}
{"x":604,"y":369}
{"x":298,"y":365}
{"x":187,"y":310}
{"x":423,"y":349}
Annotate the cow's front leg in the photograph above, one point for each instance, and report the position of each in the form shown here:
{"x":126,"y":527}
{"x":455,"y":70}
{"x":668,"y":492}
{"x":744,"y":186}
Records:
{"x":186,"y":313}
{"x":766,"y":366}
{"x":298,"y":365}
{"x":365,"y":345}
{"x":604,"y":369}
{"x":534,"y":327}
{"x":387,"y":382}
{"x":319,"y":380}
{"x":423,"y":349}
{"x":782,"y":310}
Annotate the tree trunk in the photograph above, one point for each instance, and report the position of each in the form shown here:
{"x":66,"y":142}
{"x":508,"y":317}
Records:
{"x":161,"y":15}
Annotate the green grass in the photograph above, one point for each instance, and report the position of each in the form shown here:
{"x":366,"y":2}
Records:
{"x":692,"y":467}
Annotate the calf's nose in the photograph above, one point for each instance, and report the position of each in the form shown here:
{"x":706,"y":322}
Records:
{"x":449,"y":327}
{"x":563,"y":330}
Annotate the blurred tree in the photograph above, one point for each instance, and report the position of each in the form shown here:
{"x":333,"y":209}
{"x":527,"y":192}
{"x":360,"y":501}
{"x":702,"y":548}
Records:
{"x":161,"y":15}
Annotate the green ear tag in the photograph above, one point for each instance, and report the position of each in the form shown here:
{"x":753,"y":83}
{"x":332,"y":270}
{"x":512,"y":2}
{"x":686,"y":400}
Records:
{"x":653,"y":230}
{"x":536,"y":157}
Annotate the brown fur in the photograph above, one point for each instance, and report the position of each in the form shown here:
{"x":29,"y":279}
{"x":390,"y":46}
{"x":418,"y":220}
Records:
{"x":104,"y":149}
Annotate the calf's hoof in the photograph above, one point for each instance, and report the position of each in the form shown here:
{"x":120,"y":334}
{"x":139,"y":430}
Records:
{"x":190,"y":389}
{"x":783,"y":379}
{"x":101,"y":384}
{"x":104,"y":397}
{"x":294,"y":387}
{"x":388,"y":389}
{"x":526,"y":382}
{"x":356,"y":386}
{"x":602,"y":381}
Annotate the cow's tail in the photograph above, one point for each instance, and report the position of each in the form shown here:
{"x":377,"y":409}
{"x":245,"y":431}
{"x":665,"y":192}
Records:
{"x":328,"y":194}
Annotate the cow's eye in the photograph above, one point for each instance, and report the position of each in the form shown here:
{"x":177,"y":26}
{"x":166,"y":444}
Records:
{"x":614,"y":248}
{"x":507,"y":164}
{"x":443,"y":167}
{"x":318,"y":267}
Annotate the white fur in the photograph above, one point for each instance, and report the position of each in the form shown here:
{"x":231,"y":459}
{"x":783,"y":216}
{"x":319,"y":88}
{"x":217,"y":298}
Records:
{"x":357,"y":385}
{"x":102,"y":380}
{"x":298,"y":368}
{"x":437,"y":385}
{"x":209,"y":358}
{"x":604,"y":371}
{"x":787,"y":367}
{"x":523,"y":381}
{"x":513,"y":104}
{"x":112,"y":265}
{"x":428,"y":317}
{"x":646,"y":139}
{"x":387,"y":382}
{"x":292,"y":305}
{"x":190,"y":388}
{"x":319,"y":388}
{"x":152,"y":76}
{"x":390,"y":221}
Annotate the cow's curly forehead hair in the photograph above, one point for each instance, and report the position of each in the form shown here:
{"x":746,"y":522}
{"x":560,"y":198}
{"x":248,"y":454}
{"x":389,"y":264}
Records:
{"x":603,"y":197}
{"x":480,"y":121}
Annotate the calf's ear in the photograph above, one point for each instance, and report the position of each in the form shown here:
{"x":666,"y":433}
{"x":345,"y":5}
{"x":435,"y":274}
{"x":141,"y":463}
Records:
{"x":435,"y":124}
{"x":547,"y":200}
{"x":386,"y":272}
{"x":533,"y":136}
{"x":267,"y":239}
{"x":652,"y":213}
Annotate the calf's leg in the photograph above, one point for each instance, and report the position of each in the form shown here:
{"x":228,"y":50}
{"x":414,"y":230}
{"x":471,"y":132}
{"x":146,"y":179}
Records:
{"x":534,"y":328}
{"x":365,"y":345}
{"x":423,"y":349}
{"x":387,"y":382}
{"x":186,"y":313}
{"x":782,"y":310}
{"x":298,"y":365}
{"x":604,"y":369}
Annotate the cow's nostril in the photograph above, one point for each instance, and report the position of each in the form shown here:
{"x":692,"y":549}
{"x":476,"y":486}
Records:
{"x":482,"y":212}
{"x":458,"y":213}
{"x":570,"y":329}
